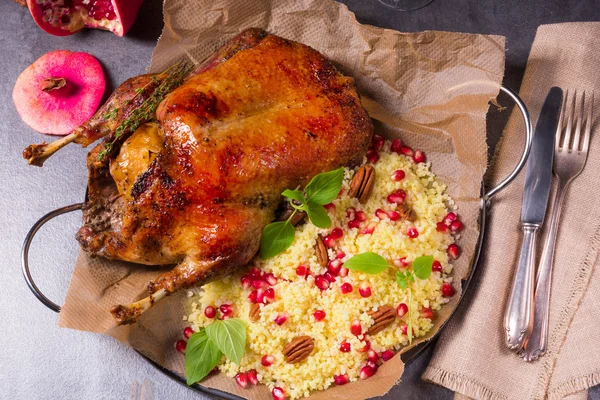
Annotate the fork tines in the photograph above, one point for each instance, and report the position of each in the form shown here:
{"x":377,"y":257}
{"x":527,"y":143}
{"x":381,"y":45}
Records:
{"x":563,"y":134}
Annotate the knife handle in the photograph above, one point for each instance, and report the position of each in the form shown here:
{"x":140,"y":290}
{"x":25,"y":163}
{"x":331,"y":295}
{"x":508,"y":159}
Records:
{"x":519,"y":310}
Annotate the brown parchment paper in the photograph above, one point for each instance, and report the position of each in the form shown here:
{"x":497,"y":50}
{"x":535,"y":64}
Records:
{"x":429,"y":88}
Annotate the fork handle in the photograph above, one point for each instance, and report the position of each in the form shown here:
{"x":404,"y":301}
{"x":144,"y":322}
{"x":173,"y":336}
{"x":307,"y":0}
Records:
{"x":537,"y":343}
{"x":519,"y":310}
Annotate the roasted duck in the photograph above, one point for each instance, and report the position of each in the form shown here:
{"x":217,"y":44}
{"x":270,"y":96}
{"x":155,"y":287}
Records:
{"x":193,"y":179}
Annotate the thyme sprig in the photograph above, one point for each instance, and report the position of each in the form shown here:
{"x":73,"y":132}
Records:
{"x":168,"y":80}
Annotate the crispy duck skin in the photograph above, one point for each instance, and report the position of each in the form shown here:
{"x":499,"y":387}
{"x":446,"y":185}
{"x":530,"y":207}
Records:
{"x":263,"y":115}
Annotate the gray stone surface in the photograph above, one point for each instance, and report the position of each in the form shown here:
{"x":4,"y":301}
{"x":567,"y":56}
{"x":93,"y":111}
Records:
{"x":40,"y":361}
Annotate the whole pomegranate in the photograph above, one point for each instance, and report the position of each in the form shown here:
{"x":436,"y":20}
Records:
{"x":66,"y":17}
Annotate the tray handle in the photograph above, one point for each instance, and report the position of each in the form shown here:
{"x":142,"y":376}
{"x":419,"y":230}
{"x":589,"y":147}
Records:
{"x":528,"y":140}
{"x":25,"y":253}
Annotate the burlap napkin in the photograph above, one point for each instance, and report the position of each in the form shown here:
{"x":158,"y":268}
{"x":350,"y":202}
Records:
{"x":471,"y":357}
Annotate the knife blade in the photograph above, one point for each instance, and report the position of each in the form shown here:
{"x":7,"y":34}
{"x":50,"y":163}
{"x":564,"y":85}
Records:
{"x":518,"y":318}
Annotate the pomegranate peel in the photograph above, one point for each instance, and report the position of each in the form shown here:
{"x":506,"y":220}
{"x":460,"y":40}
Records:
{"x":59,"y":91}
{"x":60,"y":19}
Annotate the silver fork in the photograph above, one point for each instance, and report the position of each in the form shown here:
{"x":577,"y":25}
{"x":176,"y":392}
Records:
{"x":569,"y":159}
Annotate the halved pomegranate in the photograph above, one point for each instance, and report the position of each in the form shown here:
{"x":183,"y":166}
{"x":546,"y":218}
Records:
{"x":66,"y":17}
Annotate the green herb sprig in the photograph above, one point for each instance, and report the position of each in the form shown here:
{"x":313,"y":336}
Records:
{"x":206,"y":347}
{"x":372,"y":263}
{"x":321,"y":190}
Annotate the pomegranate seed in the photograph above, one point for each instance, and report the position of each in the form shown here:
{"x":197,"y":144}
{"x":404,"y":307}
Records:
{"x":330,"y":207}
{"x":255,"y":272}
{"x":334,"y":267}
{"x":427,"y":312}
{"x":404,"y":329}
{"x":398,"y":175}
{"x":436,"y":266}
{"x":456,"y":226}
{"x":252,"y":297}
{"x":270,"y":279}
{"x":241,"y":379}
{"x":329,"y":277}
{"x":400,"y":263}
{"x":366,"y":372}
{"x":267,"y":360}
{"x":449,"y":218}
{"x":180,"y":346}
{"x":321,"y":282}
{"x":319,"y":315}
{"x":269,"y":295}
{"x":252,"y":377}
{"x":360,"y":215}
{"x":365,"y":290}
{"x":246,"y":282}
{"x":301,"y":270}
{"x":329,"y":241}
{"x":372,"y":356}
{"x":344,"y":271}
{"x":210,"y":312}
{"x":351,"y":212}
{"x":412,"y":232}
{"x":401,"y":310}
{"x":448,"y":290}
{"x":354,"y":223}
{"x":340,"y":254}
{"x":188,"y":332}
{"x":393,"y":215}
{"x":381,"y":214}
{"x":280,"y":319}
{"x":355,"y":327}
{"x":397,"y":197}
{"x":396,"y":146}
{"x":365,"y":348}
{"x":346,"y":288}
{"x":337,"y":233}
{"x":260,"y":296}
{"x":441,"y":227}
{"x":387,"y":355}
{"x":419,"y":157}
{"x":258,"y":283}
{"x":341,"y":379}
{"x":368,"y":230}
{"x":226,"y":309}
{"x":278,"y":393}
{"x":372,"y":365}
{"x":377,"y":142}
{"x":407,"y":151}
{"x":372,"y":156}
{"x":454,"y":251}
{"x":345,"y":347}
{"x":340,"y":192}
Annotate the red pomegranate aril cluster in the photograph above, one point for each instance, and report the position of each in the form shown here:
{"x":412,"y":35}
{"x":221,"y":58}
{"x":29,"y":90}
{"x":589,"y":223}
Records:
{"x":372,"y":156}
{"x":101,"y":9}
{"x":344,"y":272}
{"x":377,"y":142}
{"x":334,"y":267}
{"x":401,"y":263}
{"x":379,"y":213}
{"x":241,"y":379}
{"x":345,"y":347}
{"x":226,"y":309}
{"x":398,"y":175}
{"x":330,"y":207}
{"x":383,"y":215}
{"x":210,"y":312}
{"x":321,"y":282}
{"x":401,"y":310}
{"x":252,"y":377}
{"x":448,"y":290}
{"x":366,"y":372}
{"x":301,"y":270}
{"x":364,"y":290}
{"x":346,"y":288}
{"x":372,"y":356}
{"x":329,"y":276}
{"x":278,"y":393}
{"x":319,"y":315}
{"x":397,"y":197}
{"x":267,"y":360}
{"x":329,"y":241}
{"x":365,"y":348}
{"x":407,"y":151}
{"x":427,"y":312}
{"x":281,"y":319}
{"x":369,"y":229}
{"x":387,"y":355}
{"x":340,"y":254}
{"x":341,"y":379}
{"x":355,"y":328}
{"x":412,"y":232}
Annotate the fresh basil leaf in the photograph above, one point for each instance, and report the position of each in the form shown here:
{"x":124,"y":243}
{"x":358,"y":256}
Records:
{"x":409,"y":329}
{"x":230,"y":337}
{"x":276,"y":237}
{"x":201,"y":357}
{"x":422,"y":266}
{"x":402,"y":279}
{"x":368,"y":262}
{"x":294,"y":195}
{"x":324,"y":188}
{"x":318,"y":215}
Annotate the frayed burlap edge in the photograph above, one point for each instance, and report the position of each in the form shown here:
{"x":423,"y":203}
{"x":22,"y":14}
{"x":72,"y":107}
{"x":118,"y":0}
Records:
{"x":466,"y":385}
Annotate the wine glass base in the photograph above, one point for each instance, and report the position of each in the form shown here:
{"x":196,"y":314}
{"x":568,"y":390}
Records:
{"x":405,"y":5}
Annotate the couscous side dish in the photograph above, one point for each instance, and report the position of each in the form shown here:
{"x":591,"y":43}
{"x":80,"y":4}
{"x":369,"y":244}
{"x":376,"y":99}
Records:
{"x":311,"y":322}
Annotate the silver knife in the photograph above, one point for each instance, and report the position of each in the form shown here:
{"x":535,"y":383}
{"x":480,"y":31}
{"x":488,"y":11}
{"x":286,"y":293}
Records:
{"x":518,"y":319}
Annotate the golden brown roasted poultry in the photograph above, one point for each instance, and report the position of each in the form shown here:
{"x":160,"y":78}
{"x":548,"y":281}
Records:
{"x":196,"y":186}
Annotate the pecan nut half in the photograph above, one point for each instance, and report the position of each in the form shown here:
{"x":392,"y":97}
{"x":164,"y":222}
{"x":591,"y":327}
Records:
{"x":407,"y":213}
{"x":254,"y":313}
{"x":362,"y":183}
{"x":382,"y":318}
{"x":298,"y":349}
{"x":321,"y":251}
